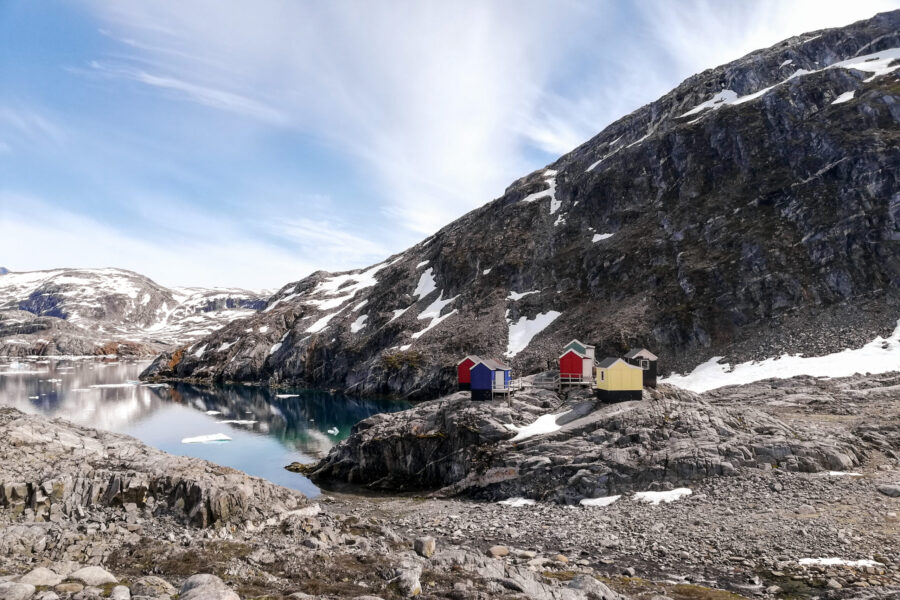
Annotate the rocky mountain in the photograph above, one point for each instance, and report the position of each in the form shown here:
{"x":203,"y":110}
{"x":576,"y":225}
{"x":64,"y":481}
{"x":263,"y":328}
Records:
{"x":109,"y":311}
{"x":751,"y":211}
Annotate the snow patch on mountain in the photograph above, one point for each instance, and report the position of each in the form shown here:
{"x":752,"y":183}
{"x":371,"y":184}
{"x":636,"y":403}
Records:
{"x":523,"y":330}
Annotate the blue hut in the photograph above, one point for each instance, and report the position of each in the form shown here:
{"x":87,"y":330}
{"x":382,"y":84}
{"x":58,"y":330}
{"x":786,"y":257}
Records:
{"x":489,"y":377}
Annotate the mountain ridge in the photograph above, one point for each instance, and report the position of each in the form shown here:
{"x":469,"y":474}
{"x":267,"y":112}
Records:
{"x":749,"y":212}
{"x":108,"y":311}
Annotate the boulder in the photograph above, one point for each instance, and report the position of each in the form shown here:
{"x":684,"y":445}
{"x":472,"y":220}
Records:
{"x":206,"y":587}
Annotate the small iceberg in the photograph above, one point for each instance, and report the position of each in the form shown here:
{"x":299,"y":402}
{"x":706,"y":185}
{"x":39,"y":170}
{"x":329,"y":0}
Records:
{"x":207,"y":439}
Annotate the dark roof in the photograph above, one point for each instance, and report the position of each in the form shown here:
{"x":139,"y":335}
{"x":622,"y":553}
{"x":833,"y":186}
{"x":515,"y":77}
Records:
{"x":607,"y":362}
{"x":642,"y":352}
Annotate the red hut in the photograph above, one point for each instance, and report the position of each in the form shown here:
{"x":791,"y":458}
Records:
{"x":574,"y":366}
{"x":463,"y":376}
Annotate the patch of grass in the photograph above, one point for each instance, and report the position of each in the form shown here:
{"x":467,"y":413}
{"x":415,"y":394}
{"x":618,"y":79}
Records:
{"x":560,"y":575}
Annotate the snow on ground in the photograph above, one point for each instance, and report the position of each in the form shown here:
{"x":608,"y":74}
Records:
{"x":843,"y":474}
{"x":337,"y":284}
{"x":283,"y":396}
{"x":486,"y":272}
{"x":519,"y":295}
{"x":433,"y":312}
{"x":600,"y":237}
{"x":786,"y":63}
{"x":199,"y":351}
{"x":238,"y":422}
{"x":605,"y":156}
{"x":830,"y":562}
{"x":214,"y":412}
{"x":422,"y":264}
{"x":275,"y":348}
{"x":878,"y":356}
{"x":426,"y":284}
{"x":655,"y":498}
{"x":398,"y":313}
{"x":517,"y":502}
{"x":206,"y":439}
{"x":878,"y":63}
{"x":321,"y":323}
{"x":845,"y":97}
{"x":522,"y":331}
{"x":605,"y":501}
{"x":550,"y":192}
{"x":359,"y":323}
{"x":543,"y":424}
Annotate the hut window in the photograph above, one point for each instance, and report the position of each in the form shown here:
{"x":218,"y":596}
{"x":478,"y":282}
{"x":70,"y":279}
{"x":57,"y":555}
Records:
{"x":602,"y":375}
{"x":645,"y":364}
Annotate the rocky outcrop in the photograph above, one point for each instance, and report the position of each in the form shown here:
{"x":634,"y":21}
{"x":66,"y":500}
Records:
{"x":52,"y":469}
{"x":744,"y":214}
{"x":585,"y":450}
{"x":108,"y":311}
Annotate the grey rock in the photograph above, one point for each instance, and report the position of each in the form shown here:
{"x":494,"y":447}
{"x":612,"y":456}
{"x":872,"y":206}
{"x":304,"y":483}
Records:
{"x":498,"y":551}
{"x":152,"y":585}
{"x":206,"y":587}
{"x":41,"y":576}
{"x":93,"y":576}
{"x":593,"y":589}
{"x":408,"y":580}
{"x":16,"y":591}
{"x":890,"y":489}
{"x":120,"y":592}
{"x":425,"y":546}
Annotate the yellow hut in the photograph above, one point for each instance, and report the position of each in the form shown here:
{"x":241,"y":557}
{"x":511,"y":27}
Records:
{"x":617,"y":380}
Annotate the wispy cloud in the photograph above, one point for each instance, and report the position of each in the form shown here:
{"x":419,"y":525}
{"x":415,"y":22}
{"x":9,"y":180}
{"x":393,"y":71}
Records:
{"x":31,"y":125}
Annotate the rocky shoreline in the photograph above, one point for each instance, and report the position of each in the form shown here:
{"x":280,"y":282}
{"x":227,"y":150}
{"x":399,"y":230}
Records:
{"x":150,"y":525}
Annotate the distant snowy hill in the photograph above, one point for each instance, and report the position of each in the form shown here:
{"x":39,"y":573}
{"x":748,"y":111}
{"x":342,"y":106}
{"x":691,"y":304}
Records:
{"x":88,"y":311}
{"x":750,"y":212}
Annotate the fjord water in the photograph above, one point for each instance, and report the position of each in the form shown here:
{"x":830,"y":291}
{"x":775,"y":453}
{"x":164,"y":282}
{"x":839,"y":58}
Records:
{"x":267,"y":431}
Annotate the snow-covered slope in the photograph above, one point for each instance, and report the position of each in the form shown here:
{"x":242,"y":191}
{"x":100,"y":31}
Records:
{"x":85,"y":311}
{"x":749,"y":213}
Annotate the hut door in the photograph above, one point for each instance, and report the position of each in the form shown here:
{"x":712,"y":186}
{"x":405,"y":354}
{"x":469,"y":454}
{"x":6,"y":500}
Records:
{"x":499,"y":380}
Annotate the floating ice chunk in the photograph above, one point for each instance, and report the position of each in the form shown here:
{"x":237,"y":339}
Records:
{"x":213,"y":438}
{"x":282,"y":396}
{"x":517,"y":502}
{"x":333,"y":431}
{"x":655,"y":498}
{"x":605,"y":501}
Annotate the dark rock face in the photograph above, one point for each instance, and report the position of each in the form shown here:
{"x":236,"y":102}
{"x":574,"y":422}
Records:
{"x":670,"y":438}
{"x":766,"y":223}
{"x":109,"y":311}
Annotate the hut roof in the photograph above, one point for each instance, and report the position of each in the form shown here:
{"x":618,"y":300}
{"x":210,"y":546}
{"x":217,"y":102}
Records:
{"x":494,"y":365}
{"x":611,"y":360}
{"x":641,"y":352}
{"x":474,"y":358}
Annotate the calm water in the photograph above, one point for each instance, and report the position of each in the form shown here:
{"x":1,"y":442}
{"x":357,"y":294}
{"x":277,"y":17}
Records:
{"x":271,"y":431}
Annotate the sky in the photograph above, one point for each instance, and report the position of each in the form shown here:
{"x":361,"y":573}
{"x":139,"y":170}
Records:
{"x":248,"y":144}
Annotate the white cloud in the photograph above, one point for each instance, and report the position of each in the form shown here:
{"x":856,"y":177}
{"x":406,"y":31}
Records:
{"x":34,"y":235}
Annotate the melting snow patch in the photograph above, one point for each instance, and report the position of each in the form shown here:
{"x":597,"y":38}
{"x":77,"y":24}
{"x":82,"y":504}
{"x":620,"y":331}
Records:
{"x":519,"y":295}
{"x":321,"y":323}
{"x":655,"y":498}
{"x":600,"y":237}
{"x":517,"y":502}
{"x":521,"y":332}
{"x":606,"y":501}
{"x":433,"y":312}
{"x":845,"y":97}
{"x":843,"y":474}
{"x":275,"y":348}
{"x":786,"y":63}
{"x":830,"y":562}
{"x":264,"y":329}
{"x":878,"y":356}
{"x":486,"y":271}
{"x":550,"y":192}
{"x":212,"y":438}
{"x":214,"y":412}
{"x":543,"y":424}
{"x":199,"y":351}
{"x":238,"y":422}
{"x":422,"y":264}
{"x":426,"y":285}
{"x":359,"y":323}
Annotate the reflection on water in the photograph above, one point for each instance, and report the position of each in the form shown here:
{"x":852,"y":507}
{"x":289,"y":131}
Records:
{"x":268,"y":429}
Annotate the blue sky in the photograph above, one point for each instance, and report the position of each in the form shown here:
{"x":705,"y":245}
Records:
{"x":217,"y":142}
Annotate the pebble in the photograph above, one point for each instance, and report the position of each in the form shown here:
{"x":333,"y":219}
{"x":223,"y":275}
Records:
{"x":425,"y":546}
{"x":498,"y":551}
